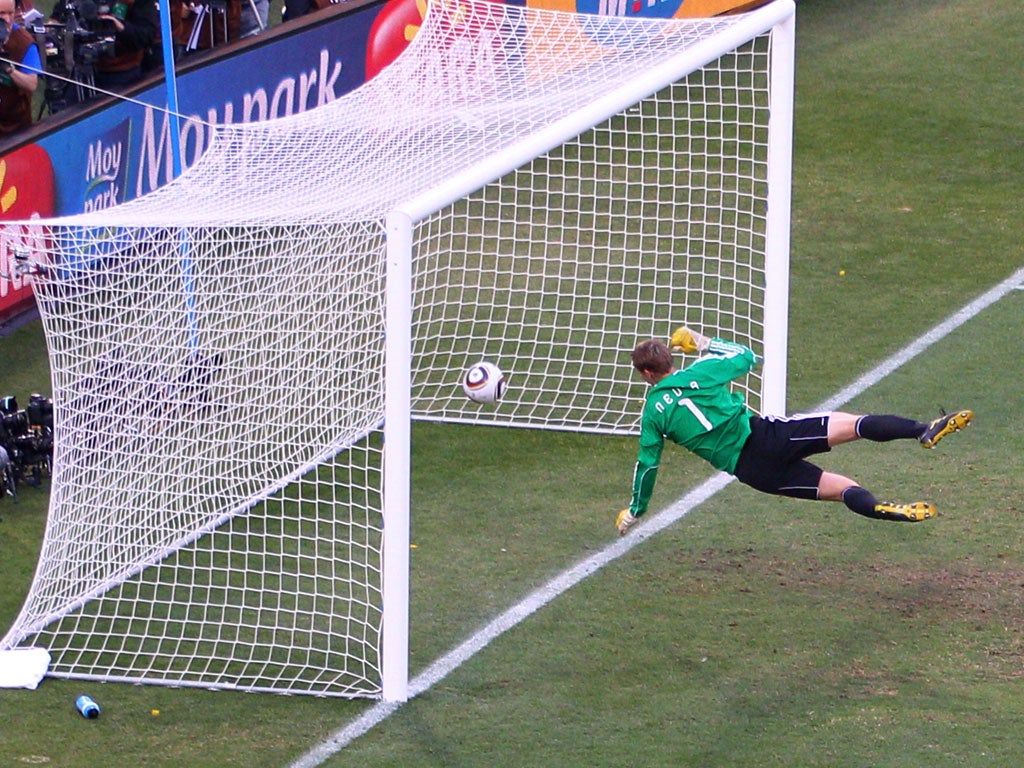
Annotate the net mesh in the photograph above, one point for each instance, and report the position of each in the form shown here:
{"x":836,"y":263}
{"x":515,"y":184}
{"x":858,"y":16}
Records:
{"x":217,"y":346}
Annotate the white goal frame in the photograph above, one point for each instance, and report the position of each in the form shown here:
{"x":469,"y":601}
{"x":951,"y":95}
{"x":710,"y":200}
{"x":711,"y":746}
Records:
{"x":779,"y":18}
{"x":163,"y":237}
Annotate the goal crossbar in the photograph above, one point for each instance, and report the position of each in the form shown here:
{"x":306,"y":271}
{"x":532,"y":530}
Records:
{"x":600,"y":108}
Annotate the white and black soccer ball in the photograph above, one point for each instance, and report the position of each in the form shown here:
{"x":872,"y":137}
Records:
{"x":484,"y":383}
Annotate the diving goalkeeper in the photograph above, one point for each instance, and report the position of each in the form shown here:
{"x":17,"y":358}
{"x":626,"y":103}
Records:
{"x":695,"y":408}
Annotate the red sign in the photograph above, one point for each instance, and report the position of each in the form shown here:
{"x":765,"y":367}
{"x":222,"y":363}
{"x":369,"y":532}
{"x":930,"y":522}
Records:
{"x":26,"y":192}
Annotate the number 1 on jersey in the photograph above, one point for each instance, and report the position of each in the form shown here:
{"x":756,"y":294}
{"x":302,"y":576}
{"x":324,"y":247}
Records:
{"x":697,"y":413}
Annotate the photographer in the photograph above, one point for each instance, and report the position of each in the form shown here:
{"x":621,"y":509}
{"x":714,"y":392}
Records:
{"x":26,"y":442}
{"x":135,"y":27}
{"x":18,"y":72}
{"x":198,"y":25}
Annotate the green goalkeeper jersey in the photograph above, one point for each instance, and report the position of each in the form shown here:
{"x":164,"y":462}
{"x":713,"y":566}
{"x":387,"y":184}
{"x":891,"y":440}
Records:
{"x":696,"y":408}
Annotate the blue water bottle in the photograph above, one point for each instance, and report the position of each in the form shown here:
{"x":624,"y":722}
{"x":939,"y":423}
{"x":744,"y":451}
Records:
{"x":89,"y":708}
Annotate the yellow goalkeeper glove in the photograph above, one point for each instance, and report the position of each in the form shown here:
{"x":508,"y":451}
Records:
{"x":688,"y":341}
{"x":625,"y":521}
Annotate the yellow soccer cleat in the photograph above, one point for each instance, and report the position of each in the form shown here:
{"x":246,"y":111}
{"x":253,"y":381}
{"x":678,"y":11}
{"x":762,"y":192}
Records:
{"x":908,"y":513}
{"x":945,"y":425}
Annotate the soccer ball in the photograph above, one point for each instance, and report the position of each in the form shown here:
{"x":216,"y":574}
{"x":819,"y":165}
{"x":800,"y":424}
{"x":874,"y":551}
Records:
{"x":484,"y":383}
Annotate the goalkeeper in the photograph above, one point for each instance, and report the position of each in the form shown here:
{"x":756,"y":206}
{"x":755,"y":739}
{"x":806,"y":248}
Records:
{"x":695,"y":408}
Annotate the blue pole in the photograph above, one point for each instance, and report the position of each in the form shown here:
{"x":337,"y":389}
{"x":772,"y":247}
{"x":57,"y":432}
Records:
{"x":174,"y":125}
{"x":171,"y":84}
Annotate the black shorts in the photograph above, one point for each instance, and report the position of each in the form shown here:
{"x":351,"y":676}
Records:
{"x":772,"y":459}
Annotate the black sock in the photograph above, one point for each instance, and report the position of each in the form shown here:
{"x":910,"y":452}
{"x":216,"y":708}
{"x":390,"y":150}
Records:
{"x":861,"y":501}
{"x":884,"y":428}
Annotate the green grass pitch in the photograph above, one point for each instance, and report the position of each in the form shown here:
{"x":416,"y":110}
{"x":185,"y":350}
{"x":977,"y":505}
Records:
{"x":756,"y":631}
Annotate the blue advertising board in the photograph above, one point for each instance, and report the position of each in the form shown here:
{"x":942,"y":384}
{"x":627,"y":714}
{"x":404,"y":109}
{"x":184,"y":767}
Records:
{"x":102,"y":153}
{"x":124,"y":150}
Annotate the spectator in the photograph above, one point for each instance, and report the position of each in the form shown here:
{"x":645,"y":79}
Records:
{"x":18,"y":71}
{"x":135,"y":26}
{"x":21,"y":9}
{"x":198,"y":25}
{"x":294,"y":9}
{"x":255,"y":17}
{"x":136,"y":30}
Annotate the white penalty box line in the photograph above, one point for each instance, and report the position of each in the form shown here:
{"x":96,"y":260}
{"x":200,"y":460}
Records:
{"x":652,"y":525}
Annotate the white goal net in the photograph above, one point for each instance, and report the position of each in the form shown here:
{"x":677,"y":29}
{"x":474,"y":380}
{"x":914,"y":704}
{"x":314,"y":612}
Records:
{"x":236,"y":357}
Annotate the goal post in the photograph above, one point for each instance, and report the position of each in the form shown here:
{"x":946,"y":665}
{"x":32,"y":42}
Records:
{"x":238,"y":357}
{"x":777,"y":215}
{"x":398,"y":362}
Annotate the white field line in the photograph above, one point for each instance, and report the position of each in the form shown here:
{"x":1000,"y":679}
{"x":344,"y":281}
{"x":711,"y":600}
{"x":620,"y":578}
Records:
{"x":652,"y":525}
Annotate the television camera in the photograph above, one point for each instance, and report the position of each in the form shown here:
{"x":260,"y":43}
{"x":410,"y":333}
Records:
{"x":73,"y":43}
{"x":26,"y":442}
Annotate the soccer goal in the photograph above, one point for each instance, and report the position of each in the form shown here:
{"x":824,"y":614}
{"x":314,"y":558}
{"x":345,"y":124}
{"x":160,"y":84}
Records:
{"x":237,"y":358}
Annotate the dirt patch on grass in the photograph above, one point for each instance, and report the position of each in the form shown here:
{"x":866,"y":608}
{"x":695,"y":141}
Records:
{"x":978,"y":610}
{"x":965,"y":589}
